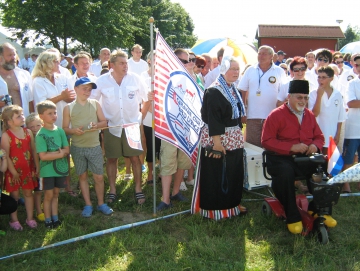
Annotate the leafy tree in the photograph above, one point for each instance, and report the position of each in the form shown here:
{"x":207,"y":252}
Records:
{"x":351,"y":34}
{"x":97,"y":23}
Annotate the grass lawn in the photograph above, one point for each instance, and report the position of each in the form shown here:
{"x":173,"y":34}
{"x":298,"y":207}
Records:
{"x":184,"y":242}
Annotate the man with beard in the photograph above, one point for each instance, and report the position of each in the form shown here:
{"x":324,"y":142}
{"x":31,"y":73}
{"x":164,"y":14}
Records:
{"x":291,"y":129}
{"x":18,"y":81}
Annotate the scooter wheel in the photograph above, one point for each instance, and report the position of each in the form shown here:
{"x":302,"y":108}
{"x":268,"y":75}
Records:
{"x":266,"y":209}
{"x":323,"y":236}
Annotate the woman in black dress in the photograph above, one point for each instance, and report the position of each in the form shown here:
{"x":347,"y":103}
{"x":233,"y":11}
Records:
{"x":220,"y":174}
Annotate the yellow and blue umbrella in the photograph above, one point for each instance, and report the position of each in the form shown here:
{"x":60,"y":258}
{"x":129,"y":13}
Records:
{"x":246,"y":52}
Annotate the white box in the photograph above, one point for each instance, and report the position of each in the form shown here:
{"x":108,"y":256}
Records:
{"x":256,"y":177}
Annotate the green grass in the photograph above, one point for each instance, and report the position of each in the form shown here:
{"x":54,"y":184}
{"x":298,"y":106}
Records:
{"x":184,"y":242}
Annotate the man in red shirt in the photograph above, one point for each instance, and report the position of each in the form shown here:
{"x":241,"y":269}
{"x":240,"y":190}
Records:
{"x":292,"y":129}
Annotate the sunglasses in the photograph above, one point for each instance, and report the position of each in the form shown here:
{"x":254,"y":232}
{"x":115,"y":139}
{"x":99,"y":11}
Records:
{"x":184,"y":61}
{"x":200,"y":67}
{"x":323,"y":77}
{"x":192,"y":60}
{"x":299,"y":69}
{"x":299,"y":98}
{"x":325,"y":60}
{"x":339,"y":62}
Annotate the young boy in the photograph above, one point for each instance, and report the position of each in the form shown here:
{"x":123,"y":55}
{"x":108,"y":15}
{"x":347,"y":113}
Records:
{"x":34,"y":123}
{"x":52,"y":147}
{"x":81,"y":119}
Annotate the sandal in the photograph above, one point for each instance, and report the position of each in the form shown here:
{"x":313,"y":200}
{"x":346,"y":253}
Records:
{"x":139,"y":197}
{"x":31,"y":223}
{"x":16,"y":226}
{"x":87,"y":211}
{"x":72,"y":193}
{"x":111,"y":198}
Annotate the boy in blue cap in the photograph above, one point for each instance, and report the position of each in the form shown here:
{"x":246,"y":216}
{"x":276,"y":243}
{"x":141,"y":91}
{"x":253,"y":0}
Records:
{"x":81,"y":120}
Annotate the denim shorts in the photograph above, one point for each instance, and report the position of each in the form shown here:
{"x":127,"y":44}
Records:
{"x":349,"y":149}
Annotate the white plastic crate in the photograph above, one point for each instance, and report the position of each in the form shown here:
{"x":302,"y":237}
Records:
{"x":255,"y":178}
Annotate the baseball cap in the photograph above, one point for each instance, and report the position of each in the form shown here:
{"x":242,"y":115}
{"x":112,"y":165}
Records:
{"x":69,"y":55}
{"x":85,"y":81}
{"x":281,"y":53}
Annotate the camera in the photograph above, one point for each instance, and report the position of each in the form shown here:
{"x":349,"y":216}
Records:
{"x":7,"y":99}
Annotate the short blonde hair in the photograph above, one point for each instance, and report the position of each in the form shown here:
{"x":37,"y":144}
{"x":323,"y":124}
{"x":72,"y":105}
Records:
{"x":44,"y":64}
{"x":32,"y":117}
{"x":8,"y":112}
{"x":45,"y":105}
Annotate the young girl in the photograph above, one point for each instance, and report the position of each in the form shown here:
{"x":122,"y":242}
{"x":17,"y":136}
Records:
{"x":22,"y":159}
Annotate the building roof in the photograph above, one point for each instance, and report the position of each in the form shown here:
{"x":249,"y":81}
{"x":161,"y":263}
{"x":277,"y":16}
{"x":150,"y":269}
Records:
{"x":299,"y":31}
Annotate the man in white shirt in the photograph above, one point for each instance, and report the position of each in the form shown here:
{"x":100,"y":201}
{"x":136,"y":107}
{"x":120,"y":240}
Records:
{"x":260,"y":86}
{"x":82,"y":65}
{"x":348,"y":75}
{"x":352,"y":127}
{"x":18,"y":81}
{"x":120,"y":92}
{"x":310,"y":59}
{"x":136,"y":64}
{"x":25,"y":62}
{"x":96,"y":67}
{"x":214,"y":73}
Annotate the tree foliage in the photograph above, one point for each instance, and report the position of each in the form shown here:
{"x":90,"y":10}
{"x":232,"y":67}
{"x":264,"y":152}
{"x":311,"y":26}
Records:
{"x":351,"y":34}
{"x":97,"y":24}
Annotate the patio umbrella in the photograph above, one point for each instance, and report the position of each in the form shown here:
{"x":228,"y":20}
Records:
{"x":246,"y":52}
{"x":352,"y":48}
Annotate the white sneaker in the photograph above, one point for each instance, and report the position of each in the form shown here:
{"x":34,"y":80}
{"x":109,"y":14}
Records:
{"x":190,"y":182}
{"x":183,"y":186}
{"x":128,"y":177}
{"x":186,"y":174}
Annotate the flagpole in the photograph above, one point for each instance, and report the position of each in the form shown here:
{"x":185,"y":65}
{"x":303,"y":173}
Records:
{"x":151,"y":21}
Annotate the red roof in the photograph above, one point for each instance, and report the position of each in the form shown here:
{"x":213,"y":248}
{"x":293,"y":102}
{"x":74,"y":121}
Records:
{"x":299,"y":31}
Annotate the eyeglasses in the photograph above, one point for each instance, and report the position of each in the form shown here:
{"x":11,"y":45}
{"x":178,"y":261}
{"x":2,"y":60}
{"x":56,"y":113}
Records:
{"x":192,"y":59}
{"x":200,"y":67}
{"x":325,"y":60}
{"x":184,"y":61}
{"x":299,"y":69}
{"x":300,"y":98}
{"x":339,"y":62}
{"x":323,"y":77}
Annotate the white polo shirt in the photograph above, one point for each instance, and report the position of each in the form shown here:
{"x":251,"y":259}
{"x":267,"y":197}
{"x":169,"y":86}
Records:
{"x":75,"y":77}
{"x":43,"y":89}
{"x":332,"y":112}
{"x":263,"y":88}
{"x":344,"y":79}
{"x":352,"y":127}
{"x":137,"y":67}
{"x":120,"y":103}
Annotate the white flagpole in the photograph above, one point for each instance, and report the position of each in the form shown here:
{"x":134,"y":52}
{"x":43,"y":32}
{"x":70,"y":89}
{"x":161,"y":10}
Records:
{"x":151,"y":21}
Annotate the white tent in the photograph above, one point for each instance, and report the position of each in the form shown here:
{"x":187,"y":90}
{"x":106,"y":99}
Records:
{"x":5,"y":34}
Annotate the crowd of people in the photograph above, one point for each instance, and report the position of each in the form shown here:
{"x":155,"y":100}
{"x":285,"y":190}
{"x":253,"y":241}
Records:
{"x":60,"y":105}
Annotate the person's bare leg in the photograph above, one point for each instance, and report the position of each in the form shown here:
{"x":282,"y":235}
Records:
{"x":346,"y":186}
{"x":111,"y":170}
{"x":166,"y":183}
{"x":84,"y":187}
{"x":150,"y":171}
{"x":37,"y":202}
{"x":55,"y":202}
{"x":178,"y":178}
{"x":15,"y":196}
{"x":29,"y":203}
{"x":99,"y":188}
{"x":48,"y":196}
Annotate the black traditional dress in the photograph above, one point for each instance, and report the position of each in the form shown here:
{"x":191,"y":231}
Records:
{"x":219,"y":183}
